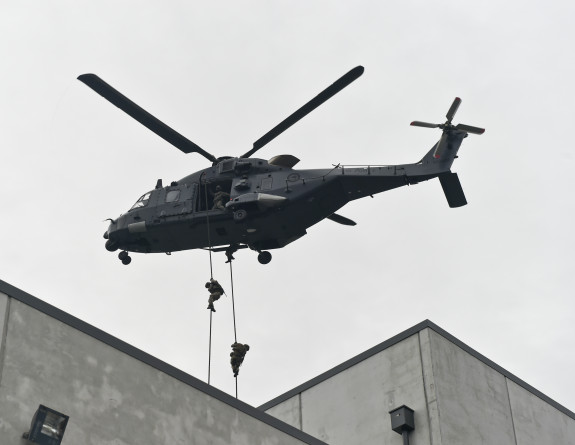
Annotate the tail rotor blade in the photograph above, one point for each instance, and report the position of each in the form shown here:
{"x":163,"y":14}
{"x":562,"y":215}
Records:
{"x":453,"y":109}
{"x":470,"y":129}
{"x":424,"y":124}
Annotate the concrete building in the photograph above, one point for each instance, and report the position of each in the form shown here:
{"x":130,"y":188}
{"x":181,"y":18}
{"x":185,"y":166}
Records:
{"x":458,"y":395}
{"x":116,"y":394}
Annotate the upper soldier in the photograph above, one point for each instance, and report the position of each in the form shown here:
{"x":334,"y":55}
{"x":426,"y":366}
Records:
{"x":220,"y":199}
{"x":215,"y":291}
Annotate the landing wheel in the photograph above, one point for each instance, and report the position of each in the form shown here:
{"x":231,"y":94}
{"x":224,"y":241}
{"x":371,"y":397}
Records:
{"x":126,"y":260}
{"x":123,"y":254}
{"x":240,"y":215}
{"x":111,"y":246}
{"x":264,"y":257}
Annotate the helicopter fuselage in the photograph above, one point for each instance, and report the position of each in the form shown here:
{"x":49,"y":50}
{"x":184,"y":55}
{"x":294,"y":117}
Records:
{"x":278,"y":203}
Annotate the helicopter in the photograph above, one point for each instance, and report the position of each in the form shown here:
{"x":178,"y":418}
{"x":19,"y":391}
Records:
{"x":245,"y":202}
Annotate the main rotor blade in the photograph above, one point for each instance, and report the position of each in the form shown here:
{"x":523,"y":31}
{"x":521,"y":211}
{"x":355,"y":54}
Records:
{"x":424,"y":124}
{"x":142,"y":116}
{"x":470,"y":129}
{"x":453,"y":109}
{"x":326,"y":94}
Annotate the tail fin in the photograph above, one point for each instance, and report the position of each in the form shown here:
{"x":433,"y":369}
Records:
{"x":452,"y":189}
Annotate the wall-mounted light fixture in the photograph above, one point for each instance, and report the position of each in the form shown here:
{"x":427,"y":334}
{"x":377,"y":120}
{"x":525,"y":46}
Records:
{"x":47,"y":427}
{"x":402,"y":422}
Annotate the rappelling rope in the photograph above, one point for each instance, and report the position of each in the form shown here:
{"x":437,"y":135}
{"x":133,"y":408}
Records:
{"x":211,"y":277}
{"x":233,"y":302}
{"x":208,"y":224}
{"x":234,"y":316}
{"x":210,"y":350}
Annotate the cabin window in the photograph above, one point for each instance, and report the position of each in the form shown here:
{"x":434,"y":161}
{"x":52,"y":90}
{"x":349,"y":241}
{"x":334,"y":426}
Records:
{"x":142,"y":202}
{"x":172,"y":196}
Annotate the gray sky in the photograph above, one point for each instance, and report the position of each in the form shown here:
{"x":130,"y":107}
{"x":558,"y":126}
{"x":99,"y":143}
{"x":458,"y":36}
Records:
{"x":498,"y":273}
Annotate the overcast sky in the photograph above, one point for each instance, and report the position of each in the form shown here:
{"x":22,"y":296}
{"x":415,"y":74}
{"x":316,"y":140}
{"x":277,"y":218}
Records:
{"x":498,"y":273}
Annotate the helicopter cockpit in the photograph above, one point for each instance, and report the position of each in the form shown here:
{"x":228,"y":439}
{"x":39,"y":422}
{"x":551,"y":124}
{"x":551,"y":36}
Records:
{"x":142,"y":201}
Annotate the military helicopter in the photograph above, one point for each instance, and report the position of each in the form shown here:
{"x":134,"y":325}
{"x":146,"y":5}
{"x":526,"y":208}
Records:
{"x":244,"y":202}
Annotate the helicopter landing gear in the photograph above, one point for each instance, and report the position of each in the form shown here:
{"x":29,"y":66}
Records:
{"x":240,"y":215}
{"x":111,"y":246}
{"x":264,"y":257}
{"x":124,"y":257}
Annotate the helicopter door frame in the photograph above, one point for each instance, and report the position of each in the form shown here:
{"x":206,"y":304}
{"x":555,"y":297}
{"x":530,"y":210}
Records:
{"x":200,"y":204}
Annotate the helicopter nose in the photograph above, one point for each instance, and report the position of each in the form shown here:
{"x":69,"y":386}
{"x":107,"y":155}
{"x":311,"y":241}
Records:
{"x":116,"y":239}
{"x":106,"y":235}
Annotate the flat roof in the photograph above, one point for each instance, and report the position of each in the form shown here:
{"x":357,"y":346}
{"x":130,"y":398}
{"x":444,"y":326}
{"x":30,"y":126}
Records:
{"x":426,"y":324}
{"x":98,"y":334}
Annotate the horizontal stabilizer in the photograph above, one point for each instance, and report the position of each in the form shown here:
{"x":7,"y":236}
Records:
{"x":452,"y":189}
{"x":341,"y":220}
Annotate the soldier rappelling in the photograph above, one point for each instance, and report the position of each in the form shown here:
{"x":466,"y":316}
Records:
{"x":216,"y":291}
{"x":237,"y":356}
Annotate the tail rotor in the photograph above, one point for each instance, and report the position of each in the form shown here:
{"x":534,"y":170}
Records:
{"x":448,"y":127}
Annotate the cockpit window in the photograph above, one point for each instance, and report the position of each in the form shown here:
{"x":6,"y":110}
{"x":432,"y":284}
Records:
{"x":142,"y":202}
{"x":172,"y":196}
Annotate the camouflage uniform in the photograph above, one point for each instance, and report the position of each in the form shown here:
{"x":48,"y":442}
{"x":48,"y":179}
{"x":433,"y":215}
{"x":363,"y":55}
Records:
{"x":220,"y":198}
{"x":215,"y":291}
{"x":237,"y":356}
{"x":230,"y":252}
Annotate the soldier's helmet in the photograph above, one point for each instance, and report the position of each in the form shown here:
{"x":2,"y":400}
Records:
{"x":247,"y":347}
{"x":207,"y":285}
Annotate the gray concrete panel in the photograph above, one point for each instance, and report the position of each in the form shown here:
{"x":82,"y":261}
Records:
{"x":429,"y":385}
{"x":353,"y":406}
{"x":4,"y":302}
{"x":472,"y":397}
{"x":111,"y":398}
{"x":289,"y":411}
{"x":3,"y":307}
{"x":537,"y":422}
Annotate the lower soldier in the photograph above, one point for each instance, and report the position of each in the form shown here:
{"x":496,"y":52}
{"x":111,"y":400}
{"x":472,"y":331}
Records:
{"x":215,"y":291}
{"x":237,"y":356}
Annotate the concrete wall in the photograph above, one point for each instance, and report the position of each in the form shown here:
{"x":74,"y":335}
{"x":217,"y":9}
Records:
{"x":111,"y":397}
{"x":473,"y":402}
{"x":536,"y":421}
{"x":352,"y":407}
{"x":458,"y":396}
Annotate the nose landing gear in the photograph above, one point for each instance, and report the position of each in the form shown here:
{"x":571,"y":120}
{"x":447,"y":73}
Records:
{"x":264,"y":257}
{"x":124,"y":257}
